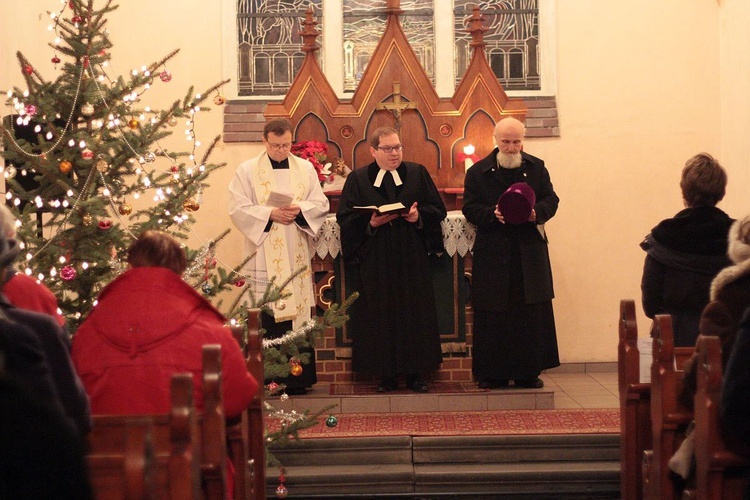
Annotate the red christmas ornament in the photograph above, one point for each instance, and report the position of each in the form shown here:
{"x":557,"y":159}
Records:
{"x":87,"y":154}
{"x":28,"y":70}
{"x":86,"y":61}
{"x":105,"y":224}
{"x":239,"y":283}
{"x":76,"y":19}
{"x":68,"y":273}
{"x":71,"y":4}
{"x":55,"y":60}
{"x":165,"y":76}
{"x":174,"y":169}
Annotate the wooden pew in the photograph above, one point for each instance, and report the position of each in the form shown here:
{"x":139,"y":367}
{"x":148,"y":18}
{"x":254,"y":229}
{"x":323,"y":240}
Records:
{"x":169,"y":456}
{"x":112,"y":435}
{"x":635,"y":405}
{"x":720,"y":473}
{"x":669,"y":418}
{"x":246,"y":439}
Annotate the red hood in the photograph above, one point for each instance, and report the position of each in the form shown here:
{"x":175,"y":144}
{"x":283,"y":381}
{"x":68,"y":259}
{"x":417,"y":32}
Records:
{"x":162,"y":302}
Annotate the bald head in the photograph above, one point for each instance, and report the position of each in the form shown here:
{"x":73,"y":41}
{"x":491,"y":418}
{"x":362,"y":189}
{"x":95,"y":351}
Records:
{"x":509,"y":135}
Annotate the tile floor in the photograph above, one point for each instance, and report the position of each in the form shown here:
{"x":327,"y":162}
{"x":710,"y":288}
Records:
{"x":583,"y":390}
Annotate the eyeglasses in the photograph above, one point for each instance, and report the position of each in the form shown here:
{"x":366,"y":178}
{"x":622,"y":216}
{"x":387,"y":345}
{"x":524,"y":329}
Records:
{"x":279,"y":147}
{"x":390,"y":149}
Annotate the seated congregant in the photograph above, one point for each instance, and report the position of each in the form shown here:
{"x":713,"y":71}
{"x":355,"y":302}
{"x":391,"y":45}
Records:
{"x":149,"y":324}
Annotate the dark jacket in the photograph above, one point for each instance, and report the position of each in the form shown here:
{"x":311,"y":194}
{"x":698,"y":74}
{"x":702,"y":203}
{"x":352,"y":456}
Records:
{"x":735,"y":396}
{"x":483,"y":185}
{"x":683,"y":254}
{"x":55,"y":346}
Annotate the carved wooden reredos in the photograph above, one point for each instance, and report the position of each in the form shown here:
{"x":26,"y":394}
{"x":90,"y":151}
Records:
{"x":395,"y":91}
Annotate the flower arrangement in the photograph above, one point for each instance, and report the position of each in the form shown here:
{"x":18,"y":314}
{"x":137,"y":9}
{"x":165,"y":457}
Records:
{"x":331,"y":172}
{"x":316,"y":153}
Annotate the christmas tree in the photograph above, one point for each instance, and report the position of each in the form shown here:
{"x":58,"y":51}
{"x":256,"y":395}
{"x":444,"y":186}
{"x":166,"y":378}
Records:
{"x":87,"y":170}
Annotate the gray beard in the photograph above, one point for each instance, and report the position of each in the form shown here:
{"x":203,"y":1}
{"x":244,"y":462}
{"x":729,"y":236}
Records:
{"x":506,"y":160}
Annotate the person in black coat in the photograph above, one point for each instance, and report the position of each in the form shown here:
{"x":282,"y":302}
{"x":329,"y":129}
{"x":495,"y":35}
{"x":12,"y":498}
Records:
{"x":685,"y":252}
{"x":52,"y":340}
{"x":511,"y":286}
{"x":394,"y":321}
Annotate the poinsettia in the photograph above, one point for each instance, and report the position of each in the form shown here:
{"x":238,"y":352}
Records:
{"x":316,"y":153}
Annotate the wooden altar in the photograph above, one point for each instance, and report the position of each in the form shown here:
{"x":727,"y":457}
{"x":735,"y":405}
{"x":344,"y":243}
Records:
{"x":395,"y":91}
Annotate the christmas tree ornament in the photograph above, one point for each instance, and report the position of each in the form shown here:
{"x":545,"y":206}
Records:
{"x":30,"y":109}
{"x":77,"y":19}
{"x":280,"y":305}
{"x":105,"y":224}
{"x":10,"y":172}
{"x":284,"y":397}
{"x":65,"y":166}
{"x":332,"y":421}
{"x":125,"y":209}
{"x":68,"y":273}
{"x":174,"y":169}
{"x":87,"y":219}
{"x":87,"y":154}
{"x":172,"y":121}
{"x":219,"y":100}
{"x":206,"y":288}
{"x":102,"y":165}
{"x":239,"y":283}
{"x":281,"y":491}
{"x":85,"y":62}
{"x":55,"y":60}
{"x":273,"y":386}
{"x":87,"y":109}
{"x":149,"y":157}
{"x":296,"y":369}
{"x":133,"y":123}
{"x":28,"y":69}
{"x":165,"y":76}
{"x":190,"y":205}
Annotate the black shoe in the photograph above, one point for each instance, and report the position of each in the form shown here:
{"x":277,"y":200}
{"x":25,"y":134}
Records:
{"x":531,"y":383}
{"x":387,"y":385}
{"x":492,"y":384}
{"x":416,"y":383}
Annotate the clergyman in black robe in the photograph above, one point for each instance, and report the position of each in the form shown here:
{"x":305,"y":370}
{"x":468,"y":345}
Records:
{"x":394,"y":321}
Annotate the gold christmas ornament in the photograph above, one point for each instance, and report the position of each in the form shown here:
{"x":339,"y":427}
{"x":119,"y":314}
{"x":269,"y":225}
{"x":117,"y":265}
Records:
{"x":102,"y":165}
{"x":125,"y":209}
{"x":87,"y":109}
{"x":87,"y":219}
{"x":296,"y":370}
{"x":190,"y":205}
{"x":172,"y":121}
{"x":219,"y":100}
{"x":133,"y":123}
{"x":65,"y":166}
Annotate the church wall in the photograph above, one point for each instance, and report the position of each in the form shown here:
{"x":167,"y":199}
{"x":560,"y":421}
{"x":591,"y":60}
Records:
{"x":642,"y":85}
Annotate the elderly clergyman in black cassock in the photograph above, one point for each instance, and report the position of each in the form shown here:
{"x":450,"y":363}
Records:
{"x":394,"y":321}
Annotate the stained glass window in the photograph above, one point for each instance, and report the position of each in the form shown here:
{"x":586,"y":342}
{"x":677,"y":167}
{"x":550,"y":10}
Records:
{"x":270,"y":53}
{"x":512,"y":39}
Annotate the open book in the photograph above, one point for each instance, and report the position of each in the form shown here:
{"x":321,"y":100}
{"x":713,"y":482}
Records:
{"x":390,"y":208}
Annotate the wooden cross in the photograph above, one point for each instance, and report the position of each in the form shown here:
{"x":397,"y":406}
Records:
{"x":396,"y":106}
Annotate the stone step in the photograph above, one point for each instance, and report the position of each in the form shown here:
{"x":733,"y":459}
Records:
{"x":538,"y":466}
{"x":510,"y":399}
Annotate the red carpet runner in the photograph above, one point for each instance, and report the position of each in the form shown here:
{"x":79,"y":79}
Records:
{"x":498,"y":422}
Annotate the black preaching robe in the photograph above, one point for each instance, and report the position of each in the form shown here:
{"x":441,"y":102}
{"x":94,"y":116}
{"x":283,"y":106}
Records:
{"x":394,"y":320}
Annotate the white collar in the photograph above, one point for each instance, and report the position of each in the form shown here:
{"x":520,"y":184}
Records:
{"x":381,"y":173}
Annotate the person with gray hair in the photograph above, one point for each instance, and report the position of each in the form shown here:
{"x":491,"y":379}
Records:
{"x":22,"y":290}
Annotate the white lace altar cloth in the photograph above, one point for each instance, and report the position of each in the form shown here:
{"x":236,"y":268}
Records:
{"x":458,"y":236}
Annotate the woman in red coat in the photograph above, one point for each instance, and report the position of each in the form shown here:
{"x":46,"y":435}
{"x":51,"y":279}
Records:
{"x":149,"y":324}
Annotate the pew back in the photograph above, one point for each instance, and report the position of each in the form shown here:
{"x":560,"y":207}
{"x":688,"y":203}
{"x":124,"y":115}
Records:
{"x":720,"y":473}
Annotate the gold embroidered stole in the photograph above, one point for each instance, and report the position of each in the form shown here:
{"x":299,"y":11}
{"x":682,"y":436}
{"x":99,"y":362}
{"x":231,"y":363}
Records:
{"x":296,"y":307}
